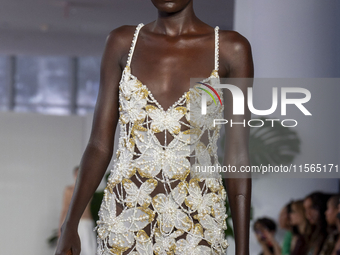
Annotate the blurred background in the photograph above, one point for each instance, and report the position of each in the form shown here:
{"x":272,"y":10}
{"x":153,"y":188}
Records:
{"x":50,"y":53}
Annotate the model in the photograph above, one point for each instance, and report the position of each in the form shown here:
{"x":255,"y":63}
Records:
{"x":154,"y":201}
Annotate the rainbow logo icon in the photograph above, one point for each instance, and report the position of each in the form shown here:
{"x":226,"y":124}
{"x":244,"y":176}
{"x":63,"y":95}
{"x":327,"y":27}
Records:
{"x":209,"y":93}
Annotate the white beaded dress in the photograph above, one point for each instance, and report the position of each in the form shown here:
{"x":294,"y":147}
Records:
{"x":154,"y":203}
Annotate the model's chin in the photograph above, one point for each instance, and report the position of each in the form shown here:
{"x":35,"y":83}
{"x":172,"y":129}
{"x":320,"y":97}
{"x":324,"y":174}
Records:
{"x":170,"y":6}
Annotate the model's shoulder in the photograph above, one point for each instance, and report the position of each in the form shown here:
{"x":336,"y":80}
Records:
{"x":121,"y":35}
{"x":236,"y":54}
{"x":234,"y":41}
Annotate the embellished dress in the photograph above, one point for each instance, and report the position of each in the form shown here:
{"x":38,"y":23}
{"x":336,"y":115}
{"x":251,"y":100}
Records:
{"x":155,"y":202}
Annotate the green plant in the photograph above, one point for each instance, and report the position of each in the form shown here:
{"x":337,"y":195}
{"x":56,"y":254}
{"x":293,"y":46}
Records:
{"x":53,"y":239}
{"x":273,"y":145}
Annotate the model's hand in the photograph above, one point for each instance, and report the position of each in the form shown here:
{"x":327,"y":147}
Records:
{"x":69,"y":242}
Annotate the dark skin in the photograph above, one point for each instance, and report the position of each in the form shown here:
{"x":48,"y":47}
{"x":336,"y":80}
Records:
{"x":174,"y":48}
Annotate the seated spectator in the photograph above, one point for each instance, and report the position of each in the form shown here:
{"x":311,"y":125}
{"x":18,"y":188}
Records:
{"x":315,"y":206}
{"x":284,"y":223}
{"x":328,"y":247}
{"x":336,"y":250}
{"x":300,"y":225}
{"x":265,"y":230}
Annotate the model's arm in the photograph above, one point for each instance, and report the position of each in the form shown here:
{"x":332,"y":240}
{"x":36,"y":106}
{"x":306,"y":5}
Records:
{"x":236,"y":51}
{"x":99,"y":149}
{"x":66,"y":203}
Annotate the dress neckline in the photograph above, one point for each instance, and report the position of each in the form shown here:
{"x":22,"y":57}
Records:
{"x":178,"y":100}
{"x":127,"y":69}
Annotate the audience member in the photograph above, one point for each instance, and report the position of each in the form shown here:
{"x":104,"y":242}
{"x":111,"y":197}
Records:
{"x":284,"y":223}
{"x":265,"y":230}
{"x":328,"y":247}
{"x":300,"y":227}
{"x":315,"y":206}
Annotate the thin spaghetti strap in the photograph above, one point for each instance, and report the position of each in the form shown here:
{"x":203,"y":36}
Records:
{"x":216,"y":47}
{"x":133,"y":44}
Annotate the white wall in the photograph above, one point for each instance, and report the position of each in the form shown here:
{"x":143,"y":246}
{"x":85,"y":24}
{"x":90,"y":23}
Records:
{"x":292,"y":39}
{"x":37,"y":155}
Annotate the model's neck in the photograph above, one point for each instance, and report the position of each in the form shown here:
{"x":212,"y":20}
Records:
{"x":176,"y":23}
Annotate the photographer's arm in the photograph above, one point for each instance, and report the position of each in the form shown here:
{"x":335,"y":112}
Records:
{"x":237,"y":51}
{"x":99,"y":149}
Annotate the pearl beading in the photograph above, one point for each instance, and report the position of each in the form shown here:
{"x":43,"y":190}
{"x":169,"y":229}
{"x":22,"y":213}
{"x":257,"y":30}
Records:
{"x":141,"y":154}
{"x":216,"y":47}
{"x":133,"y":44}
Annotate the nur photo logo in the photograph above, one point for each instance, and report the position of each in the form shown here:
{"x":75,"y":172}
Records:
{"x":238,"y":101}
{"x":204,"y":99}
